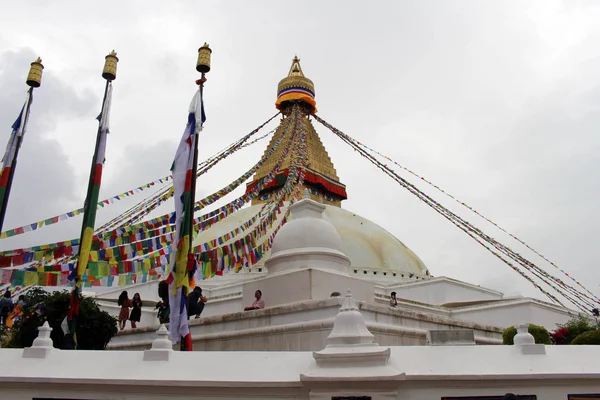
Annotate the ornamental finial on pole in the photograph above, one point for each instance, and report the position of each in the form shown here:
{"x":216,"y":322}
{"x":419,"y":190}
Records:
{"x":34,"y":79}
{"x":203,"y":63}
{"x":110,"y":66}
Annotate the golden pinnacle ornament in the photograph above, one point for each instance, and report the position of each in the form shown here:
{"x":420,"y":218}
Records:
{"x":110,"y":67}
{"x":203,"y":64}
{"x":34,"y":79}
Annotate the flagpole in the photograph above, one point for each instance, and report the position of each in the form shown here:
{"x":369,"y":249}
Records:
{"x":193,"y":194}
{"x":34,"y":80}
{"x":91,"y":200}
{"x":202,"y":66}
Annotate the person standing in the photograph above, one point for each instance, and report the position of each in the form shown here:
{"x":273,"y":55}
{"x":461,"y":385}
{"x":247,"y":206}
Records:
{"x":125,"y":304}
{"x":258,"y":302}
{"x":163,"y":312}
{"x":393,"y":300}
{"x":136,"y":312}
{"x":6,"y":306}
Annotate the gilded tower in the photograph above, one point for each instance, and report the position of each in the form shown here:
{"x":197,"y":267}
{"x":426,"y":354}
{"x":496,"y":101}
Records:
{"x":320,"y":177}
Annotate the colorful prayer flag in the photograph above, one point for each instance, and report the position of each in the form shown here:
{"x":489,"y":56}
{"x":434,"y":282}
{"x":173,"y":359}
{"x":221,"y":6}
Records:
{"x":12,"y":149}
{"x":183,"y":172}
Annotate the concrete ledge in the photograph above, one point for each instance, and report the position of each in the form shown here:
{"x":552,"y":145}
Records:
{"x":304,"y":325}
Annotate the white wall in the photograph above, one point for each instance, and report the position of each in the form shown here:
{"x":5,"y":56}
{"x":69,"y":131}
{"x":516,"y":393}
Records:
{"x":306,"y":284}
{"x":147,"y":291}
{"x":428,"y":390}
{"x":504,"y":315}
{"x":149,"y":314}
{"x":304,"y":326}
{"x":436,"y":390}
{"x":442,"y":292}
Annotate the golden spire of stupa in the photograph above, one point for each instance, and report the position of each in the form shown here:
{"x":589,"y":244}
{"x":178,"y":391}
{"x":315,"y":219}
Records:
{"x":321,"y":178}
{"x":296,"y":87}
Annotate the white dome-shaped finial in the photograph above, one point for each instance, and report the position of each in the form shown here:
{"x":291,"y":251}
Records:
{"x":43,"y":338}
{"x":162,"y":342}
{"x":307,"y":236}
{"x":349,"y":328}
{"x":42,"y":344}
{"x":162,"y":346}
{"x":350,"y":343}
{"x":523,"y":336}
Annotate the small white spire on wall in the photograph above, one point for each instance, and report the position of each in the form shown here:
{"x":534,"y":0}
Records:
{"x":42,"y":344}
{"x":162,"y":347}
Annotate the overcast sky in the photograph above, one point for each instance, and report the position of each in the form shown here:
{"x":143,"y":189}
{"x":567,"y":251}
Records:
{"x":496,"y":102}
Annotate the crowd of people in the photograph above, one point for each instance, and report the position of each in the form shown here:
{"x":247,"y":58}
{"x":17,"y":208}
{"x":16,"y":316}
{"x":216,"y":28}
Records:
{"x":131,"y":309}
{"x":10,"y":312}
{"x":196,"y":302}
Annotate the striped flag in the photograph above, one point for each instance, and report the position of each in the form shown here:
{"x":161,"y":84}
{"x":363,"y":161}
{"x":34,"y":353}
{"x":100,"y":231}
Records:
{"x":183,"y":264}
{"x":11,"y":149}
{"x":89,"y":215}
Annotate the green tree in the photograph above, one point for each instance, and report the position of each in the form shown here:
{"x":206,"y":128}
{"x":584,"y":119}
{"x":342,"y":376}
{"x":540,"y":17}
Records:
{"x":539,"y":333}
{"x":589,"y":337}
{"x":578,"y":325}
{"x":95,"y":328}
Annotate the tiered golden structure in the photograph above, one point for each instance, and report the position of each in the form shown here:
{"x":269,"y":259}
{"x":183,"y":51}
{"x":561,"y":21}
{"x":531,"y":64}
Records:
{"x":321,"y":178}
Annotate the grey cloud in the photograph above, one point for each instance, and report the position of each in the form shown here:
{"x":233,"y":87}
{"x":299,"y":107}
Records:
{"x":44,"y":182}
{"x":475,"y":96}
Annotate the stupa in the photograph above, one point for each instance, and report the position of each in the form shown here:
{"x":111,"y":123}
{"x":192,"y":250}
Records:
{"x":322,"y":251}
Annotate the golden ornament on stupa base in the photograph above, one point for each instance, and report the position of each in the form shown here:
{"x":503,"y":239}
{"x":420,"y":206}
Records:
{"x":203,"y":63}
{"x":34,"y":79}
{"x":110,"y":66}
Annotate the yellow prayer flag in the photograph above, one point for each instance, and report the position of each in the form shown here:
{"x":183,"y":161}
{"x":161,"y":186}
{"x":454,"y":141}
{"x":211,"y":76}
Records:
{"x":104,"y":268}
{"x":31,"y":278}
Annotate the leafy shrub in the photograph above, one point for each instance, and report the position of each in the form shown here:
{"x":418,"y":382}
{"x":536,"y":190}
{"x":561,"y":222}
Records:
{"x":540,"y":334}
{"x":561,"y":336}
{"x":571,"y":329}
{"x":95,"y":328}
{"x":589,"y":337}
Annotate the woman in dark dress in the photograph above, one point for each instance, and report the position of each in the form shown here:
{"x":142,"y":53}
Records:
{"x":136,"y":311}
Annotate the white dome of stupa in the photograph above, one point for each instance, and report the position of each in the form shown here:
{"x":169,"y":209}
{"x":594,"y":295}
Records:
{"x":374,"y":253}
{"x":307,"y":229}
{"x":307,"y":241}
